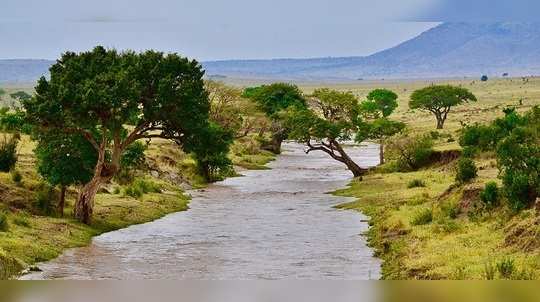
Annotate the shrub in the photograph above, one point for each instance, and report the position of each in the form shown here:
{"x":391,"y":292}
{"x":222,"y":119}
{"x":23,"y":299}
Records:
{"x":489,"y":271}
{"x":4,"y":224}
{"x":45,"y":199}
{"x":490,"y":194}
{"x":469,"y":151}
{"x":466,"y":170}
{"x":140,"y":187}
{"x":506,"y":268}
{"x":16,"y":176}
{"x":416,"y":183}
{"x":450,"y":209}
{"x":8,"y":154}
{"x":21,"y":221}
{"x":412,"y":153}
{"x":518,"y":157}
{"x":517,"y":190}
{"x":446,"y":225}
{"x":133,"y":191}
{"x":422,"y":217}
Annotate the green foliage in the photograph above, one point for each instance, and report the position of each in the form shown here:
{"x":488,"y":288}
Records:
{"x":8,"y":153}
{"x":140,"y":186}
{"x":380,"y":103}
{"x":466,"y":170}
{"x":45,"y":198}
{"x":276,"y":97}
{"x":411,"y":152}
{"x":450,"y":209}
{"x":439,"y":99}
{"x":516,"y":140}
{"x":22,"y":221}
{"x":489,"y":271}
{"x":65,"y":159}
{"x":490,"y":194}
{"x":416,"y":183}
{"x":211,"y":153}
{"x":518,"y":157}
{"x":14,"y":121}
{"x":133,"y":157}
{"x":20,"y":96}
{"x":484,"y":78}
{"x":506,"y":268}
{"x":422,"y":217}
{"x":97,"y":94}
{"x":16,"y":176}
{"x":4,"y":224}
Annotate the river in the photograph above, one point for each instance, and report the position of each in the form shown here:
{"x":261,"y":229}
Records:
{"x":268,"y":224}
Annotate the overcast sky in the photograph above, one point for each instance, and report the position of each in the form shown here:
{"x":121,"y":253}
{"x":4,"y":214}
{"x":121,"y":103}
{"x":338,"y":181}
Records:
{"x":217,"y":29}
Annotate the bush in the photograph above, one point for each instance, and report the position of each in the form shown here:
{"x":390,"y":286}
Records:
{"x":506,"y":268}
{"x":45,"y":199}
{"x":16,"y":176}
{"x":21,"y":221}
{"x":466,"y":170}
{"x":412,"y":152}
{"x":517,"y":190}
{"x":416,"y":183}
{"x":8,"y":154}
{"x":422,"y":217}
{"x":140,"y":187}
{"x":490,"y":194}
{"x":133,"y":191}
{"x":4,"y":224}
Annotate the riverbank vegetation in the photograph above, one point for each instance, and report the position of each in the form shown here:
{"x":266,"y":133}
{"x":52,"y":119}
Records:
{"x":459,"y":203}
{"x":117,"y":146}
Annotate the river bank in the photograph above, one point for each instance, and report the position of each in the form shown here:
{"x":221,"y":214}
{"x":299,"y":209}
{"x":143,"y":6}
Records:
{"x":272,"y":224}
{"x":36,"y":235}
{"x":435,"y":231}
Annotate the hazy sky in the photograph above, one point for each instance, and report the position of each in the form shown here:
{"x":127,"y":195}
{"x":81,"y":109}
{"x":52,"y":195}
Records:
{"x":225,"y":29}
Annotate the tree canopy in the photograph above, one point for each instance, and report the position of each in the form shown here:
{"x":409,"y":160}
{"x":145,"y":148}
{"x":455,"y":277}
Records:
{"x":333,"y":116}
{"x":96,"y":94}
{"x":272,"y":100}
{"x":439,"y":99}
{"x":380,"y":102}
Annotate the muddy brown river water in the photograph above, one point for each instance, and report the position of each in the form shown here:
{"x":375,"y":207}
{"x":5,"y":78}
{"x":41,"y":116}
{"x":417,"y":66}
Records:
{"x":270,"y":224}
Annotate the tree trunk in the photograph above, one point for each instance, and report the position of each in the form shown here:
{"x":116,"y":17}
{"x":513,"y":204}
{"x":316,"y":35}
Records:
{"x":381,"y":153}
{"x":440,"y":122}
{"x":275,"y":145}
{"x":356,"y":170}
{"x":84,"y":206}
{"x":62,"y":202}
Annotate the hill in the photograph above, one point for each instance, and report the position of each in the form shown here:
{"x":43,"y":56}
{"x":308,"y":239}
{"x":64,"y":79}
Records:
{"x":448,"y":50}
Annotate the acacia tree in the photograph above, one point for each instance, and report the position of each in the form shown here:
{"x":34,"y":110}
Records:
{"x":333,"y":117}
{"x":232,"y":111}
{"x":97,"y":93}
{"x":375,"y":125}
{"x":272,"y":99}
{"x":439,"y":100}
{"x":380,"y":103}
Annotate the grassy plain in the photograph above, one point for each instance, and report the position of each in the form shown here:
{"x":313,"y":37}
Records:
{"x":455,"y":242}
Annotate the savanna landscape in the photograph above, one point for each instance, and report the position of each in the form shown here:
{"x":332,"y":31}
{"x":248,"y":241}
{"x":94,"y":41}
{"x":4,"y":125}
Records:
{"x":132,"y":147}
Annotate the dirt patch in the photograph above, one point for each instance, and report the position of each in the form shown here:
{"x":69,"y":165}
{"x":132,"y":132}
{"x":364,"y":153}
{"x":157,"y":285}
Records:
{"x":524,"y":234}
{"x":444,"y":157}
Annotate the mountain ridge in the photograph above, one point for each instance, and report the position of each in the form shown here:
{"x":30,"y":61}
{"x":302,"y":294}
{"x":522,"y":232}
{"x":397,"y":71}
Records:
{"x":447,"y":50}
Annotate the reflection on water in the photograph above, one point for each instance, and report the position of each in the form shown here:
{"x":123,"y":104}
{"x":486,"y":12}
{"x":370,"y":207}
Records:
{"x":270,"y":224}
